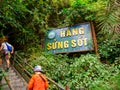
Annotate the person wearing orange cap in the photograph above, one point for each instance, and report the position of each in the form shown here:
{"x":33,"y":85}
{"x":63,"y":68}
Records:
{"x":38,"y":81}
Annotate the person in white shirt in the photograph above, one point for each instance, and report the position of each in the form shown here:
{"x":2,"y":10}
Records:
{"x":6,"y":53}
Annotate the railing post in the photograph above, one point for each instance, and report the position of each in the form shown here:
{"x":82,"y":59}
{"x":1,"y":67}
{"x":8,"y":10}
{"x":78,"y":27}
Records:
{"x":0,"y":61}
{"x":67,"y":88}
{"x":14,"y":58}
{"x":24,"y":64}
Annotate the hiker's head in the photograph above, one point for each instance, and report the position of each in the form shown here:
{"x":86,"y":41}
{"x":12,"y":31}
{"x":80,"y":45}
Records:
{"x":37,"y":69}
{"x":3,"y":39}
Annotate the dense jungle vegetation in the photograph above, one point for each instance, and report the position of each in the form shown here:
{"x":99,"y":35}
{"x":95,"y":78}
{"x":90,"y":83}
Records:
{"x":25,"y":22}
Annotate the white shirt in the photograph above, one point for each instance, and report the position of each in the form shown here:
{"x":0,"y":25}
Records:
{"x":5,"y":46}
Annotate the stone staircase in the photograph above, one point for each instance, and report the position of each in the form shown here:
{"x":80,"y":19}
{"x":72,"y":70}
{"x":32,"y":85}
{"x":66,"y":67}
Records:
{"x":15,"y":80}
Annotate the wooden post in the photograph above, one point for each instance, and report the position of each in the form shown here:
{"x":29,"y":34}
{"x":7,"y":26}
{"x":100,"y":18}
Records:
{"x":24,"y":64}
{"x":0,"y":61}
{"x":14,"y":58}
{"x":94,"y":38}
{"x":66,"y":88}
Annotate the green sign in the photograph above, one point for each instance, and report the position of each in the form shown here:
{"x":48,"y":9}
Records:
{"x":69,"y":39}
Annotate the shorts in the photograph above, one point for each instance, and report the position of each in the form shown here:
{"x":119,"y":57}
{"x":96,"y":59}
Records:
{"x":7,"y":55}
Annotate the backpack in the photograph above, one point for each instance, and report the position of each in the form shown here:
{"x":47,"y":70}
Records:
{"x":9,"y":47}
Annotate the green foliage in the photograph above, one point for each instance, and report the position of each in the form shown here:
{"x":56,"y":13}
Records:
{"x":50,"y":67}
{"x":117,"y":62}
{"x":85,"y":71}
{"x":2,"y":74}
{"x":110,"y":49}
{"x":83,"y":11}
{"x":14,"y":21}
{"x":26,"y":21}
{"x":108,"y":18}
{"x":115,"y":82}
{"x":108,"y":32}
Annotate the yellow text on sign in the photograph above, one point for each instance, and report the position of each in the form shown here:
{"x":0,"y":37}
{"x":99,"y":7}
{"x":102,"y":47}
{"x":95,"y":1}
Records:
{"x":66,"y":44}
{"x":73,"y":32}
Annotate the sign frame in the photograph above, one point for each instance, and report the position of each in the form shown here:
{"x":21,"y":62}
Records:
{"x":92,"y":33}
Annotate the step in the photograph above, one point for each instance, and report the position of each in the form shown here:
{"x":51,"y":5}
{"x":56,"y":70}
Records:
{"x":6,"y":87}
{"x":15,"y":81}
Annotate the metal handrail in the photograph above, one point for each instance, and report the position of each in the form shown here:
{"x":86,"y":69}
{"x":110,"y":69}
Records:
{"x":16,"y":56}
